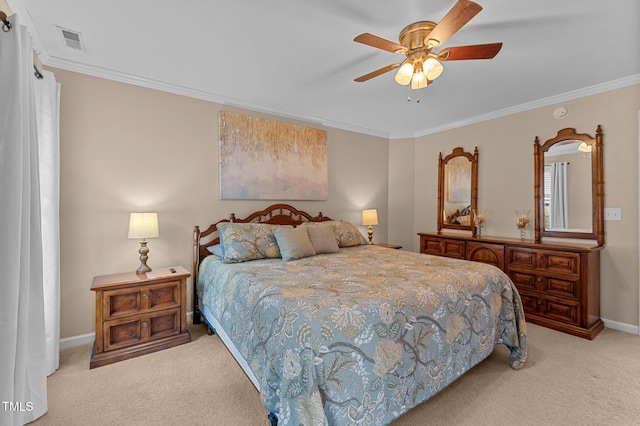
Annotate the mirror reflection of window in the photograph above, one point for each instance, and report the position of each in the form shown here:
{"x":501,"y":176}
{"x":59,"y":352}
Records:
{"x":556,"y":197}
{"x":567,"y":188}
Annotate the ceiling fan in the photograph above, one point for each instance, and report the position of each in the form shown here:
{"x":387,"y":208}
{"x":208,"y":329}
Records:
{"x":422,"y":65}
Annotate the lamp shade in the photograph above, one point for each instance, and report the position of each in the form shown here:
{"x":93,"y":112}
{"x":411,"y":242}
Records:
{"x":584,"y":147}
{"x":432,"y":68}
{"x":370,"y":217}
{"x":404,"y":74}
{"x":143,"y":225}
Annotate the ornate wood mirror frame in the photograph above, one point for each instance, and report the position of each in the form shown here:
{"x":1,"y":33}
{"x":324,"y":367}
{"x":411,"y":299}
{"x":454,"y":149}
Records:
{"x":592,"y":147}
{"x":458,"y":190}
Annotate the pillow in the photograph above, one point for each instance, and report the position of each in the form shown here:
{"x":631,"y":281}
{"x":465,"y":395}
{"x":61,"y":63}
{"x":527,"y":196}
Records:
{"x":247,"y":241}
{"x":216,"y":249}
{"x":347,"y":234}
{"x":294,"y":243}
{"x":464,"y":220}
{"x":322,"y":238}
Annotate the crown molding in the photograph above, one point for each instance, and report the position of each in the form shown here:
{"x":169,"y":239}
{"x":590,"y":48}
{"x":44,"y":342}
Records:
{"x":65,"y":64}
{"x":552,"y":100}
{"x":212,"y":97}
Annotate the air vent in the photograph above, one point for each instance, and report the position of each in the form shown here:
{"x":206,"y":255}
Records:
{"x":72,"y":39}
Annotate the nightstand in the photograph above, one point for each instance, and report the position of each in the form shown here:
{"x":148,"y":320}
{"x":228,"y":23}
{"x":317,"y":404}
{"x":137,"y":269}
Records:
{"x":391,"y":246}
{"x":137,"y":314}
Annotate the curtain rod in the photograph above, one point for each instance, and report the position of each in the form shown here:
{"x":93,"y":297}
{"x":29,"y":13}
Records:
{"x":6,"y":27}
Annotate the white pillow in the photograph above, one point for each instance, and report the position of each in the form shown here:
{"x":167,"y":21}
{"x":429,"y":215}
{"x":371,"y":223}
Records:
{"x":322,"y":238}
{"x":294,"y":243}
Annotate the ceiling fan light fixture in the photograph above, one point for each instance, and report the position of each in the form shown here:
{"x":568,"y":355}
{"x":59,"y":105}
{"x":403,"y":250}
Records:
{"x":404,"y":74}
{"x":432,"y":68}
{"x":419,"y":80}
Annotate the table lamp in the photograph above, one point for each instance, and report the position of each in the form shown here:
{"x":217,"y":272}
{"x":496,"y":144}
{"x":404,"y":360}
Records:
{"x":370,"y":217}
{"x":143,"y":226}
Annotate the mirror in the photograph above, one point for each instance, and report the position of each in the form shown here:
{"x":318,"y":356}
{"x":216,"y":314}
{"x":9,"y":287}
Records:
{"x":569,"y":187}
{"x":457,"y":190}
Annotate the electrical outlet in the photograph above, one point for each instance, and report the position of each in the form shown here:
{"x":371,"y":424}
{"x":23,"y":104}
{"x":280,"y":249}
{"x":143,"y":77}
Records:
{"x":612,"y":213}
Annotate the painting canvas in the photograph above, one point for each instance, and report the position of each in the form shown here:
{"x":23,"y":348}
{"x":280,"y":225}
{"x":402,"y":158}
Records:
{"x":262,"y":159}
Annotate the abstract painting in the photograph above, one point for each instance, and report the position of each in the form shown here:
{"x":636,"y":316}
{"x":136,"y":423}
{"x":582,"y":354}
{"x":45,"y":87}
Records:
{"x":262,"y":159}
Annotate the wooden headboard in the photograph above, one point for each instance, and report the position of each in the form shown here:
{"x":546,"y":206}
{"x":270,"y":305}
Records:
{"x":276,"y":214}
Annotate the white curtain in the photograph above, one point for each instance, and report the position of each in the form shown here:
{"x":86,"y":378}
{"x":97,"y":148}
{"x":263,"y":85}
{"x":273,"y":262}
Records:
{"x":47,"y":92}
{"x":559,"y":207}
{"x":26,"y":262}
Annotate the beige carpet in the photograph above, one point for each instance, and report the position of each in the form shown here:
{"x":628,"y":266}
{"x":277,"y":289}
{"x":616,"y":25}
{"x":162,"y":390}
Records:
{"x":566,"y":381}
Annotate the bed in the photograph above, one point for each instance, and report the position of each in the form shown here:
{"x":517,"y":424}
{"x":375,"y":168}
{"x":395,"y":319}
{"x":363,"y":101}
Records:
{"x":351,"y":335}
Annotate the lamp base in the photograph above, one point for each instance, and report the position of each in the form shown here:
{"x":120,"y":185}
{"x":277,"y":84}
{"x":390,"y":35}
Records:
{"x":144,"y":251}
{"x":370,"y":232}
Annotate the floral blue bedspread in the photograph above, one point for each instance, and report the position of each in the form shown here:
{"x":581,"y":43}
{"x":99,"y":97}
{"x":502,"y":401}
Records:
{"x":361,"y":336}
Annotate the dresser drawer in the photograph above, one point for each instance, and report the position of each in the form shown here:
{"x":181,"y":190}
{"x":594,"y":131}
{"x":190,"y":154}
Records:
{"x":442,"y":247}
{"x":565,"y":310}
{"x":129,"y":331}
{"x":549,"y":261}
{"x":493,"y":254}
{"x":548,"y":285}
{"x":130,"y":301}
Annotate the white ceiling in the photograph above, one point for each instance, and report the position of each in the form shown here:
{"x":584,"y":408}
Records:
{"x":297,"y":58}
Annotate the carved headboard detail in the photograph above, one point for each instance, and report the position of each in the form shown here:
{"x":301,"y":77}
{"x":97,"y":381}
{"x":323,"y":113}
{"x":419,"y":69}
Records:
{"x":276,"y":214}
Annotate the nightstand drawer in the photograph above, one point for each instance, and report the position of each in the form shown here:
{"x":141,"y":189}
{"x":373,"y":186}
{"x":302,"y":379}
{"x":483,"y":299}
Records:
{"x":131,"y":301}
{"x":133,"y":330}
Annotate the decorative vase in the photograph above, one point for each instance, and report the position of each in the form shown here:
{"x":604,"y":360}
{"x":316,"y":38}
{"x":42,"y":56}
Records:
{"x":479,"y":217}
{"x":522,"y":221}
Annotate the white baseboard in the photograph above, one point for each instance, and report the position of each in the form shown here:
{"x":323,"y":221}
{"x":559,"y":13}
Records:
{"x":83,"y":339}
{"x":620,"y":326}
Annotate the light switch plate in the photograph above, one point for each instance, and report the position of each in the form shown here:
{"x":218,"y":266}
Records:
{"x":612,"y":213}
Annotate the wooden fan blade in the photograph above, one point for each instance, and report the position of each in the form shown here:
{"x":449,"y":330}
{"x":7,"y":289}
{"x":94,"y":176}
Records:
{"x":477,"y":51}
{"x":461,"y":13}
{"x":380,"y":43}
{"x":376,"y":73}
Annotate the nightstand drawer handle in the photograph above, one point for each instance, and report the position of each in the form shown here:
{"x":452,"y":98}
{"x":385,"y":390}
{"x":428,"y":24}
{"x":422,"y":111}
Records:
{"x":144,"y":295}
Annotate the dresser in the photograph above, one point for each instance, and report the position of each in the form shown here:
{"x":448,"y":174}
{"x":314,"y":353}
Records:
{"x":137,"y":314}
{"x":559,"y":284}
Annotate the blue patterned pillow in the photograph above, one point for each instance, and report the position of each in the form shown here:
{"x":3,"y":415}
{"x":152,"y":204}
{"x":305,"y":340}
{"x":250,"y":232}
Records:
{"x":247,"y":241}
{"x":347,"y":234}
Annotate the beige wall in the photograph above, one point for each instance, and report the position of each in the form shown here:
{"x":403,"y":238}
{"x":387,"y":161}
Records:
{"x":505,"y":181}
{"x":126,"y":148}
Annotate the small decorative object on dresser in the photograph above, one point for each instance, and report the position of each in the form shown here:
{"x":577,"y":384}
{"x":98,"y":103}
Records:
{"x":479,"y":217}
{"x":522,"y":220}
{"x":137,"y":314}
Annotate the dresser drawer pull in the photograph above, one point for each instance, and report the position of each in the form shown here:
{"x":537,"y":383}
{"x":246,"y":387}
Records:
{"x":144,"y":295}
{"x":539,"y":257}
{"x":144,"y":324}
{"x":539,"y":279}
{"x":539,"y":302}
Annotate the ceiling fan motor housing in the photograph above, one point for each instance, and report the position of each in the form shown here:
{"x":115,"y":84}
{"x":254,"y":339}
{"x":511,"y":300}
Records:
{"x":414,"y":36}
